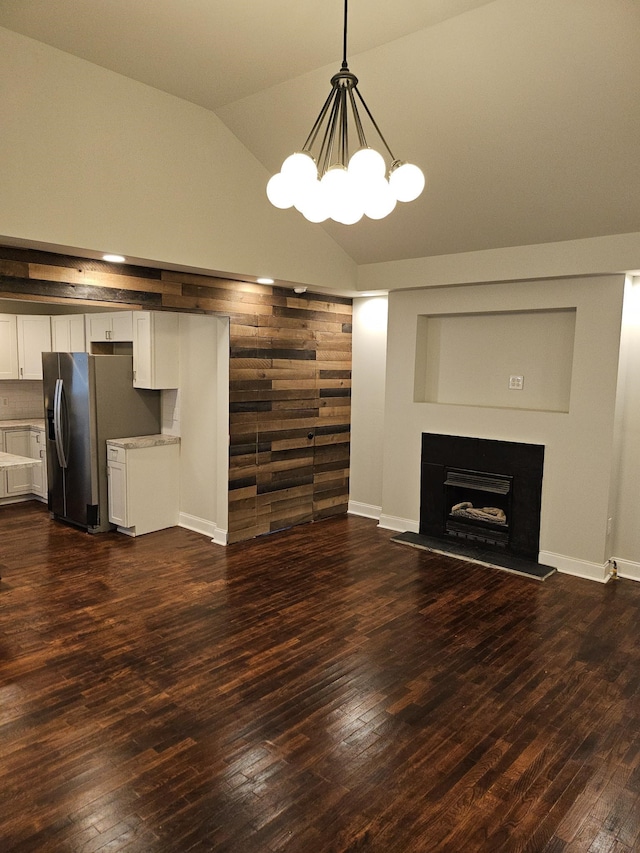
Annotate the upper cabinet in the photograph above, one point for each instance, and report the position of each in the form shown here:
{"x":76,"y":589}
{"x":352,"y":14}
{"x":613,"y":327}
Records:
{"x":111,"y":326}
{"x":154,"y":337}
{"x":68,"y":333}
{"x":156,"y":349}
{"x":8,"y":347}
{"x":34,"y":338}
{"x":23,"y":339}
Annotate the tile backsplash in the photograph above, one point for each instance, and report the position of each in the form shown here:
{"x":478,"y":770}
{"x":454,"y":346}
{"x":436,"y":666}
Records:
{"x":21,"y":398}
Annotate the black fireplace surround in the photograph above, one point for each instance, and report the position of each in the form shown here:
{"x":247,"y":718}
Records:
{"x":504,"y":475}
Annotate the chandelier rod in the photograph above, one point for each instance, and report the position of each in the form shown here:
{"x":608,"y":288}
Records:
{"x":344,"y":128}
{"x":326,"y":149}
{"x":344,"y":37}
{"x":374,"y":123}
{"x":318,"y":122}
{"x":356,"y":118}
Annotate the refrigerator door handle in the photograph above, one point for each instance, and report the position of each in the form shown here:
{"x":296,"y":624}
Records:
{"x":58,"y":402}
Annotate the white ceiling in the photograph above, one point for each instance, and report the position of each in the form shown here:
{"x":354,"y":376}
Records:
{"x":524,"y":114}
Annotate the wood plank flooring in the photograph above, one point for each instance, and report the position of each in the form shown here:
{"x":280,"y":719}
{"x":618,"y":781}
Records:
{"x":321,"y":689}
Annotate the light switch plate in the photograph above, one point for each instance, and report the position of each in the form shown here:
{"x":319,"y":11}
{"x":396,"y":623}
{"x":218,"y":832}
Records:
{"x":516,"y":383}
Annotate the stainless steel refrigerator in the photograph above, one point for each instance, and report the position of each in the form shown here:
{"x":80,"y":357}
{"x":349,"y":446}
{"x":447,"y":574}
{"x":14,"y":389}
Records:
{"x":89,"y":399}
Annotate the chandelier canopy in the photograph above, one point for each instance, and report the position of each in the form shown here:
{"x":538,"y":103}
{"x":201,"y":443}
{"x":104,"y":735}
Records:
{"x":332,"y":183}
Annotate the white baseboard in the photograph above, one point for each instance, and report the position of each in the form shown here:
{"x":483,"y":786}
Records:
{"x":627,"y":569}
{"x":577,"y":568}
{"x":220,"y":537}
{"x":18,"y":499}
{"x":400,"y":525}
{"x":201,"y":525}
{"x":365,"y":510}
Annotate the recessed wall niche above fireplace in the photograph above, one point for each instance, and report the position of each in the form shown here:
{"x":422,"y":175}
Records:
{"x":482,"y":491}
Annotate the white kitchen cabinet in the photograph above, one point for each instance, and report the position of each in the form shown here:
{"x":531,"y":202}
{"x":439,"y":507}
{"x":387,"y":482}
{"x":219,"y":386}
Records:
{"x":110,"y":326}
{"x":37,"y":450}
{"x":117,"y":491}
{"x":23,"y":339}
{"x":8,"y":347}
{"x":143,"y":479}
{"x":29,"y":441}
{"x":18,"y":481}
{"x":68,"y":333}
{"x":156,"y":349}
{"x":34,"y":338}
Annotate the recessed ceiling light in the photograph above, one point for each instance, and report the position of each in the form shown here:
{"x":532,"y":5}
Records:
{"x":114,"y":259}
{"x":264,"y":280}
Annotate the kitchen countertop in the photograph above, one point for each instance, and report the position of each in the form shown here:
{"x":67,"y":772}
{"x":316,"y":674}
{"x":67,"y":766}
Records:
{"x":10,"y":460}
{"x":21,"y":423}
{"x":138,"y":441}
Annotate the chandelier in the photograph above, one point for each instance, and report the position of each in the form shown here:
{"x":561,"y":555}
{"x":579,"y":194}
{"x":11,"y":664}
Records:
{"x":331,"y":183}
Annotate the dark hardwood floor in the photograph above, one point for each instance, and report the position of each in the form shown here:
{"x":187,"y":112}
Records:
{"x":320,"y":690}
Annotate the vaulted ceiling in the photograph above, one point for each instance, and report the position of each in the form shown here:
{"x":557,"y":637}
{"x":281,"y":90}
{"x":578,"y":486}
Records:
{"x":524,"y":114}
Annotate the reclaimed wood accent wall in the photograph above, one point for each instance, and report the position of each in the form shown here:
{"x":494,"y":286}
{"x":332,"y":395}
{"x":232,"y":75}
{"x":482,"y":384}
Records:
{"x":290,"y":375}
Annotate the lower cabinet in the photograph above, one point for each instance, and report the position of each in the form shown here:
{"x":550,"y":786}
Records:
{"x":26,"y":441}
{"x":144,"y":484}
{"x":37,"y":450}
{"x":17,"y":441}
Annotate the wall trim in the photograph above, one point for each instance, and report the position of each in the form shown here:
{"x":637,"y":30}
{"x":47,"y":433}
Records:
{"x":584,"y":256}
{"x":365,"y":510}
{"x":627,"y":569}
{"x":202,"y":525}
{"x":18,"y":499}
{"x":577,"y":568}
{"x":220,"y":537}
{"x":400,"y":525}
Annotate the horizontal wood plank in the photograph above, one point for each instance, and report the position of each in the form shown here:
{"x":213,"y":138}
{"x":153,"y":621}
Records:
{"x":290,"y":364}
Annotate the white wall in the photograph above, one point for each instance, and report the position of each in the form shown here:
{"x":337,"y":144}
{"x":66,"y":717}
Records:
{"x":94,"y":161}
{"x":202,"y":415}
{"x":367,"y":405}
{"x":589,"y":256}
{"x":534,"y":345}
{"x":579,"y":465}
{"x":626,"y":506}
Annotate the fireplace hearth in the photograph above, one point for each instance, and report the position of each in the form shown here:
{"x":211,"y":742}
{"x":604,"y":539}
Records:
{"x":482,"y":492}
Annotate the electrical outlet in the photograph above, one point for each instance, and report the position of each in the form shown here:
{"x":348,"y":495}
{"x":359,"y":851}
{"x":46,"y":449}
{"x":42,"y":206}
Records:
{"x":5,"y":401}
{"x":516,"y":383}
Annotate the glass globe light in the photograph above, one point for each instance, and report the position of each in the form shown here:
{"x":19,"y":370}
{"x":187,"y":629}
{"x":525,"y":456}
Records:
{"x":351,"y":208}
{"x":380,"y":200}
{"x":406,"y":181}
{"x":299,"y":167}
{"x":315,"y":207}
{"x":279,"y":192}
{"x":334,"y":185}
{"x":367,"y":165}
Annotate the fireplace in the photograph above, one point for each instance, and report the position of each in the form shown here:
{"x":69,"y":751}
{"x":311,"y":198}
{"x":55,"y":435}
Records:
{"x":477,"y":506}
{"x":482,"y":492}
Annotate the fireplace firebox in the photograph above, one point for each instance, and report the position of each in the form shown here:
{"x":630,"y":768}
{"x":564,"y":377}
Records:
{"x":482,"y":491}
{"x":477,"y":506}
